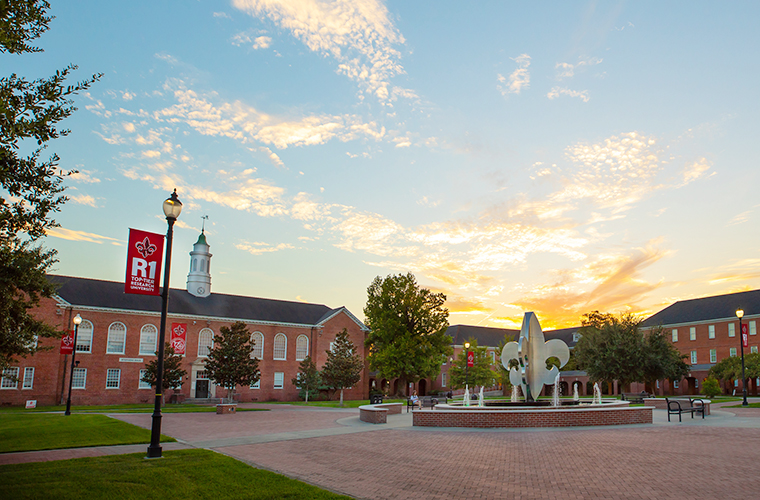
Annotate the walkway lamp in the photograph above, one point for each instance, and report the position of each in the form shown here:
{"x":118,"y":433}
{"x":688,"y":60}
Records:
{"x":466,"y":362}
{"x":77,"y":322}
{"x":172,"y":208}
{"x":740,"y":314}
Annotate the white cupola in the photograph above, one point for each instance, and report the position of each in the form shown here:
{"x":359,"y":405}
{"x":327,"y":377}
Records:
{"x":199,"y":278}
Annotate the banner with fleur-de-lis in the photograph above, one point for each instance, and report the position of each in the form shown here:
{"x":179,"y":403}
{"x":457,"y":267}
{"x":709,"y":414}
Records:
{"x":144,"y":253}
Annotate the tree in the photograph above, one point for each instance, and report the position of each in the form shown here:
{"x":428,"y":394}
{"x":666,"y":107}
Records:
{"x":730,"y":368}
{"x":479,"y":374}
{"x":408,"y":326}
{"x":662,"y":360}
{"x":343,"y":368}
{"x":506,"y":385}
{"x":31,"y":188}
{"x":230,"y":362}
{"x":308,"y":379}
{"x":173,"y":372}
{"x":710,"y":387}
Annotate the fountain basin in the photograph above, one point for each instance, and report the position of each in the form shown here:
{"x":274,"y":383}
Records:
{"x":609,"y":412}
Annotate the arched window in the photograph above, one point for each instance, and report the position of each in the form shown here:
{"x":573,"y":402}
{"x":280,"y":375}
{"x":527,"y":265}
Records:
{"x":148,"y":340}
{"x":195,"y":264}
{"x":203,"y":264}
{"x":205,"y":342}
{"x":257,"y":340}
{"x":280,"y":346}
{"x":302,"y":347}
{"x":84,"y":337}
{"x":117,"y":338}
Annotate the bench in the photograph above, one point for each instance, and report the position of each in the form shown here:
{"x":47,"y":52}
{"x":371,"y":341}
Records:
{"x":685,"y":405}
{"x":635,"y":397}
{"x":378,"y":414}
{"x":427,"y":401}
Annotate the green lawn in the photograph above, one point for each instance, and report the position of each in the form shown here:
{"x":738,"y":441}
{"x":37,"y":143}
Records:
{"x":334,"y":404}
{"x":52,"y":431}
{"x":134,"y":408}
{"x":750,"y":405}
{"x":196,"y":474}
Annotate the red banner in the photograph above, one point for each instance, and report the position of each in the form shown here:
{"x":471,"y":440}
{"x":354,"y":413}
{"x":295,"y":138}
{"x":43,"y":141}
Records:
{"x":144,"y":252}
{"x":745,"y":335}
{"x":470,"y":359}
{"x":67,"y":344}
{"x":179,"y":337}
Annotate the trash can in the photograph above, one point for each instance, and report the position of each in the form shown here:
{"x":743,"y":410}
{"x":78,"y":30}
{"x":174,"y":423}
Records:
{"x":376,"y":399}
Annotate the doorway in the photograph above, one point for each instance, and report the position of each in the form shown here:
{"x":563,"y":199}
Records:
{"x":201,"y":389}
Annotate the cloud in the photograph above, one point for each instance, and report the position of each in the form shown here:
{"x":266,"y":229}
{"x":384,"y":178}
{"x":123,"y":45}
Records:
{"x":567,"y":70}
{"x":695,"y":171}
{"x":258,"y":248}
{"x":73,"y":235}
{"x":84,"y":176}
{"x":357,"y":34}
{"x":249,"y":37}
{"x":222,"y":15}
{"x":519,"y":79}
{"x":83,"y":199}
{"x":555,"y":92}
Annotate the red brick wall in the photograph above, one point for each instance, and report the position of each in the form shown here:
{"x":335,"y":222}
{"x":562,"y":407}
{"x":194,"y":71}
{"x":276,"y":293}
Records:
{"x":552,"y":418}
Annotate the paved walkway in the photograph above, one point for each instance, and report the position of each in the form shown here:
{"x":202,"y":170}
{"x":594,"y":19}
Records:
{"x":699,"y":459}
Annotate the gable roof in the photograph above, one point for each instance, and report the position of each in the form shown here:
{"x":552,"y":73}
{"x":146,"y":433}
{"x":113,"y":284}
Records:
{"x":85,"y":292}
{"x":707,"y":308}
{"x":490,"y":336}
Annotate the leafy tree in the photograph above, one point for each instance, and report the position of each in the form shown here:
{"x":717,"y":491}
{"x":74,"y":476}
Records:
{"x":710,"y":387}
{"x":503,"y":373}
{"x":173,"y":372}
{"x":30,"y":187}
{"x":343,"y":368}
{"x":408,"y":329}
{"x":480,"y":373}
{"x":662,"y":360}
{"x":730,"y":368}
{"x":230,"y":362}
{"x":308,"y":379}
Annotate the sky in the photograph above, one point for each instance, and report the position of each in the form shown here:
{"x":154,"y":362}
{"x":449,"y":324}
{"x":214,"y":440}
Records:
{"x":555,"y":157}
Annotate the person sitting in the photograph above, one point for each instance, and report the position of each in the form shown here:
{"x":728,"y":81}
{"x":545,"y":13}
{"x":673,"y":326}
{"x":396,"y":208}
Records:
{"x":416,"y":400}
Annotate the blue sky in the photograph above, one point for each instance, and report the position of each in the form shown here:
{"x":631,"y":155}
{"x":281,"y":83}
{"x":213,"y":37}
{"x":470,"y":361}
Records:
{"x":554,"y":157}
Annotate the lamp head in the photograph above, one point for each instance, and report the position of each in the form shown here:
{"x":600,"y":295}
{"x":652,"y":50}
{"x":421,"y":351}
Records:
{"x":77,"y":320}
{"x":466,"y":345}
{"x":739,"y":313}
{"x":172,"y":206}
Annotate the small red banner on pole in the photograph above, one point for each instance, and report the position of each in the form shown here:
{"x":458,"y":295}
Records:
{"x":144,"y":252}
{"x":67,"y":344}
{"x":470,"y":358}
{"x":179,"y":337}
{"x":745,"y":335}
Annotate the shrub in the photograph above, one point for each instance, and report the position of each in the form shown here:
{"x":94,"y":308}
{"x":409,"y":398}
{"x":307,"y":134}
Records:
{"x":710,"y":387}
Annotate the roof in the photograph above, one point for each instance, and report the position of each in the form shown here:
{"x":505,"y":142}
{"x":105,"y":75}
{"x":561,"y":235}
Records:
{"x":201,"y":239}
{"x":85,"y":292}
{"x":707,"y":308}
{"x":490,"y":337}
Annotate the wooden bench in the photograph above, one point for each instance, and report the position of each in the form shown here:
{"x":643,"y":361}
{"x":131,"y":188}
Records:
{"x":427,"y":401}
{"x":685,"y":405}
{"x":378,"y":414}
{"x":635,"y":397}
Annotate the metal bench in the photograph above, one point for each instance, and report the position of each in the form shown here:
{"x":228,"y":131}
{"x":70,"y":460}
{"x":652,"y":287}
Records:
{"x":680,"y":406}
{"x":427,"y":401}
{"x":635,"y":397}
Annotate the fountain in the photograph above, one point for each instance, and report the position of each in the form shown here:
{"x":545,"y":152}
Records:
{"x":597,"y":394}
{"x":575,"y":392}
{"x":531,"y":374}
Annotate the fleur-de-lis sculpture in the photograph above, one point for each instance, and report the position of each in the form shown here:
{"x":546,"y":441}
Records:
{"x":145,"y":247}
{"x":531,"y":353}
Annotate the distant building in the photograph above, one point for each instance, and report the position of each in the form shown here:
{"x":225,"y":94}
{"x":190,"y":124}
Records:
{"x":119,"y":332}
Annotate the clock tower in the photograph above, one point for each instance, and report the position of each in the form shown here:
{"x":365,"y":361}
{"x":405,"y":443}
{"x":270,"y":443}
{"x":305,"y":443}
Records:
{"x":199,"y":278}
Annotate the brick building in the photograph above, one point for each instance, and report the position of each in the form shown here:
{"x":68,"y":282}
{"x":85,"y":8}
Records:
{"x":118,"y":336}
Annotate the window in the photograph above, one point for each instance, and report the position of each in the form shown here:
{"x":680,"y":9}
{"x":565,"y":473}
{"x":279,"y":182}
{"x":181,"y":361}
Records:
{"x":279,"y":379}
{"x":302,"y":347}
{"x":257,"y":385}
{"x":84,"y":337}
{"x":117,"y":338}
{"x":112,"y":378}
{"x":205,"y":342}
{"x":28,"y":378}
{"x":657,"y":384}
{"x":576,"y":336}
{"x":693,"y":333}
{"x":280,"y":346}
{"x":713,"y":356}
{"x":752,"y":328}
{"x":10,"y":378}
{"x":141,"y":384}
{"x":711,"y":331}
{"x":696,"y":382}
{"x":79,"y":378}
{"x":752,"y":350}
{"x":493,"y":357}
{"x":201,"y":375}
{"x":731,"y":330}
{"x":332,"y":346}
{"x":693,"y":357}
{"x":732,"y":351}
{"x":443,"y":379}
{"x":675,"y":384}
{"x":675,"y":335}
{"x":148,"y":340}
{"x":257,"y":339}
{"x":736,"y":383}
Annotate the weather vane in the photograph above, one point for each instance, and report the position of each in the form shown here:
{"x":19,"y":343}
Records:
{"x":203,"y":224}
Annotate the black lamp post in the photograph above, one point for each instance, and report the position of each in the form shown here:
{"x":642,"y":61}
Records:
{"x":172,"y":209}
{"x":740,"y":314}
{"x":466,"y":362}
{"x":77,"y":322}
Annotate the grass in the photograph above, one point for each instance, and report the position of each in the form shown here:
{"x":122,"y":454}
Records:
{"x":197,"y":474}
{"x":54,"y":431}
{"x":750,"y":405}
{"x":334,"y":404}
{"x":134,"y":408}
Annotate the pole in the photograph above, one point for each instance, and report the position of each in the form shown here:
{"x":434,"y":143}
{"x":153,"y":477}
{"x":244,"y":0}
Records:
{"x":744,"y":379}
{"x":154,"y":450}
{"x":466,"y":365}
{"x":71,"y":373}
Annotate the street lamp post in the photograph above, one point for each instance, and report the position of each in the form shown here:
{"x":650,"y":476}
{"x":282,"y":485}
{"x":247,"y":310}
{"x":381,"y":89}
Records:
{"x":77,"y":322}
{"x":740,"y":314}
{"x":172,"y":208}
{"x":466,"y":362}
